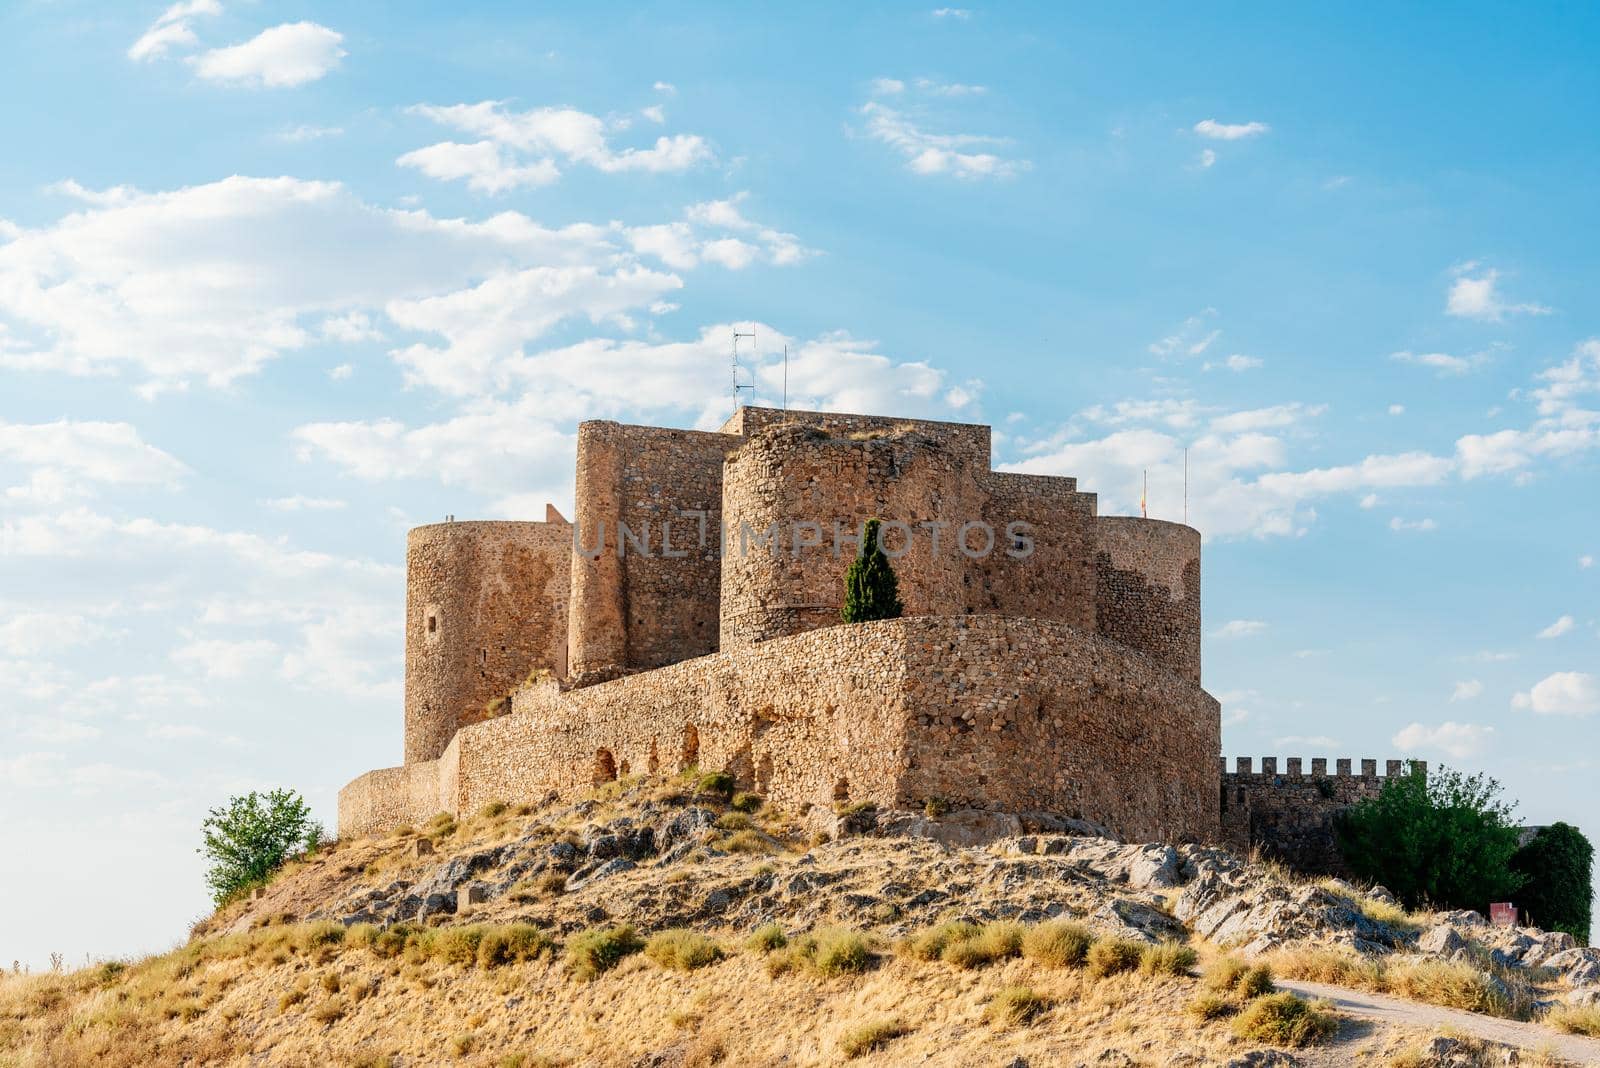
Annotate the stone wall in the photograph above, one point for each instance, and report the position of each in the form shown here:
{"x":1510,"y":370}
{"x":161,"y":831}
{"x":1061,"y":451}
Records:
{"x":486,"y":604}
{"x":656,"y":493}
{"x":1148,"y":589}
{"x":1288,"y":812}
{"x":382,"y":800}
{"x":991,"y":712}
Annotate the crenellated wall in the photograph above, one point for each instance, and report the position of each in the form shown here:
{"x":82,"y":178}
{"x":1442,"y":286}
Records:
{"x":1289,"y":812}
{"x":1147,"y":593}
{"x":981,"y":711}
{"x":486,"y":604}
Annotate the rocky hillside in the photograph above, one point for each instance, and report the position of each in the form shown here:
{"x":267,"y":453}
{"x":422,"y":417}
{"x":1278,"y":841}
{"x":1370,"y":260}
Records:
{"x":536,"y":936}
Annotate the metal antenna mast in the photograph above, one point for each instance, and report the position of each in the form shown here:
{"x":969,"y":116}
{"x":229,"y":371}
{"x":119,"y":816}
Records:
{"x":734,"y":368}
{"x":1185,"y":487}
{"x":786,"y":378}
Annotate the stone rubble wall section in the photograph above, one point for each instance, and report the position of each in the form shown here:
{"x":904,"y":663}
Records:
{"x":985,"y":712}
{"x":486,"y":605}
{"x":1147,"y":594}
{"x":1289,"y":811}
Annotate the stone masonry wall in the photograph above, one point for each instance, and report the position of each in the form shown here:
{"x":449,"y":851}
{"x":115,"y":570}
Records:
{"x":1288,"y":811}
{"x":1148,"y":589}
{"x":641,"y":608}
{"x":486,"y":604}
{"x":993,"y":712}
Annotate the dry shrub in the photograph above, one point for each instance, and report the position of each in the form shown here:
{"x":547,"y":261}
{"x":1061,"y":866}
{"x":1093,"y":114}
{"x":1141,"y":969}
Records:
{"x":748,"y":842}
{"x":1167,"y":958}
{"x":1575,"y":1020}
{"x":328,"y":1011}
{"x":682,"y":949}
{"x":1283,"y":1019}
{"x":766,"y":938}
{"x":1016,"y":1005}
{"x":1322,"y":965}
{"x":458,"y":945}
{"x":512,"y":944}
{"x":828,"y":951}
{"x":992,"y":942}
{"x":1255,"y":982}
{"x":596,"y":951}
{"x":735,"y":821}
{"x":1212,"y":1006}
{"x":1454,"y":984}
{"x":492,"y":810}
{"x":1112,"y":955}
{"x":873,"y":1035}
{"x":931,"y":944}
{"x":1059,"y":944}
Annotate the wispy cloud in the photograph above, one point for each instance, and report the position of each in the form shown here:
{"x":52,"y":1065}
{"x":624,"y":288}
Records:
{"x":1442,"y":362}
{"x":1466,"y":691}
{"x":1563,"y":693}
{"x":1561,"y":626}
{"x":172,"y":30}
{"x":1458,"y":740}
{"x":1239,"y":628}
{"x":277,"y":58}
{"x":1412,"y":526}
{"x":1229,"y":131}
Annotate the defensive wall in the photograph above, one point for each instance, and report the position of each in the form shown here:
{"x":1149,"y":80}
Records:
{"x":1004,"y":713}
{"x":1289,"y":813}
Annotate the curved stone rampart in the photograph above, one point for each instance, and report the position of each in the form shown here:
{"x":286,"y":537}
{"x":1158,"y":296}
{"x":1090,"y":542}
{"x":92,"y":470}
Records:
{"x":486,"y":604}
{"x":990,"y":712}
{"x":1147,"y":589}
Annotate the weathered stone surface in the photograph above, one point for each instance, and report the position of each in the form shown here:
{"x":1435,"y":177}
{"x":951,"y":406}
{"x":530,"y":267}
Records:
{"x":968,"y":827}
{"x":1442,"y":940}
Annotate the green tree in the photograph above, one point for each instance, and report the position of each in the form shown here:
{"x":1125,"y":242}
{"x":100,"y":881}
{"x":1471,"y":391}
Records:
{"x":870,"y":589}
{"x":1442,"y":841}
{"x":1558,"y":865}
{"x":250,"y":837}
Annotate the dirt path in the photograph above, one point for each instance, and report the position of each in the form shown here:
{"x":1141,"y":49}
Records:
{"x":1386,"y":1010}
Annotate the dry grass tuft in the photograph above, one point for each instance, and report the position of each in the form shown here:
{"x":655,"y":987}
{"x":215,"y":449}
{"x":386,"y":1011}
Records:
{"x":1015,"y":1005}
{"x":1454,"y":984}
{"x":1058,"y":944}
{"x":1575,"y":1020}
{"x":1113,"y":955}
{"x":1168,"y":958}
{"x":828,"y":951}
{"x":766,"y":938}
{"x":513,"y":944}
{"x":1211,"y":1006}
{"x":592,"y":953}
{"x":682,"y":949}
{"x":873,"y":1035}
{"x":1285,"y":1020}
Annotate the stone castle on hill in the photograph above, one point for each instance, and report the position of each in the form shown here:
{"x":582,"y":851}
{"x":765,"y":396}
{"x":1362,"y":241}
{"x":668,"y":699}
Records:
{"x":1048,"y":660}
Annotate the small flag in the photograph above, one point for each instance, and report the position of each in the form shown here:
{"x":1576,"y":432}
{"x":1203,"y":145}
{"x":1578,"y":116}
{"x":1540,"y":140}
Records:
{"x":1144,"y":509}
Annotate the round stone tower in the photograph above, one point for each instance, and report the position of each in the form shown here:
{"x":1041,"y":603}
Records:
{"x":1147,"y":589}
{"x":794,"y":499}
{"x":486,"y":606}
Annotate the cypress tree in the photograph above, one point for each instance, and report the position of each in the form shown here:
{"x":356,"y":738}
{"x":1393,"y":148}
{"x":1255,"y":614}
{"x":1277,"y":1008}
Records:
{"x":1558,"y":864}
{"x":870,"y":589}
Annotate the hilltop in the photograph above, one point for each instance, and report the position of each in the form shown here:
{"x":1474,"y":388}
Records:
{"x":513,"y":937}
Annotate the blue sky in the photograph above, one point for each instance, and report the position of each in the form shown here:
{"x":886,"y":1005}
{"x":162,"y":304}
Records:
{"x":278,"y":281}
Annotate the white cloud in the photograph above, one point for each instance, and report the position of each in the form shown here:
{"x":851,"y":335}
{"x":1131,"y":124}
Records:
{"x":485,"y":165}
{"x":1225,"y":131}
{"x":1466,"y":691}
{"x":1562,"y":427}
{"x":665,"y":87}
{"x":544,"y":134}
{"x":1239,"y":628}
{"x":931,"y":153}
{"x":341,"y":372}
{"x":655,"y":113}
{"x":961,"y":13}
{"x":69,"y":459}
{"x":306,"y":132}
{"x":1442,"y":362}
{"x":718,"y":232}
{"x":220,"y":659}
{"x":172,"y":30}
{"x":1371,"y":500}
{"x":1397,"y":409}
{"x":1585,"y":562}
{"x":1192,"y":337}
{"x":887,"y":86}
{"x":277,"y":58}
{"x":1418,"y":526}
{"x":1235,"y":363}
{"x":933,"y":88}
{"x":1564,"y":693}
{"x":1561,"y":626}
{"x":29,"y":634}
{"x":303,"y":504}
{"x":212,"y":281}
{"x":1458,"y":740}
{"x":1206,"y":159}
{"x":1475,"y":295}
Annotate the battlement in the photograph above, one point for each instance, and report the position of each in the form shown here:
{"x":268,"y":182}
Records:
{"x":1295,"y":768}
{"x":1290,"y":812}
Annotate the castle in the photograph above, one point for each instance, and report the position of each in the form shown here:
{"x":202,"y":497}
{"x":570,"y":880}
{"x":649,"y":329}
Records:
{"x":1048,"y":659}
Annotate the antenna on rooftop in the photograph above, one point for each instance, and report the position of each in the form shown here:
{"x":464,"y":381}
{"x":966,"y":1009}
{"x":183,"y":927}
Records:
{"x":734,"y":369}
{"x":1144,"y":496}
{"x":1185,"y":487}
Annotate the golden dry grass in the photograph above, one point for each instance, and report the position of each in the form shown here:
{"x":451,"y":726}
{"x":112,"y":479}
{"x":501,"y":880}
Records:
{"x":1452,"y":984}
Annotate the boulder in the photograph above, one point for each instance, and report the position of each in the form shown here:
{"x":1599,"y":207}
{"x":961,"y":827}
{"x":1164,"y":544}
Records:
{"x":963,"y":827}
{"x":1442,"y":940}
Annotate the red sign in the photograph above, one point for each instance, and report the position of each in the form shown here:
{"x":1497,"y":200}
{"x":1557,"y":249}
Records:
{"x":1503,"y":914}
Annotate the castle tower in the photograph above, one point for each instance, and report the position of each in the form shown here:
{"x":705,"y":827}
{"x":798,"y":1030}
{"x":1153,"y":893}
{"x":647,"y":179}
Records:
{"x":486,"y":605}
{"x":1147,"y":589}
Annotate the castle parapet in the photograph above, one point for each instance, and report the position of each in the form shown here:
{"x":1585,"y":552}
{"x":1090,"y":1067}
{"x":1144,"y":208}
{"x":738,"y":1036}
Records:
{"x":1147,"y":589}
{"x":1290,"y":813}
